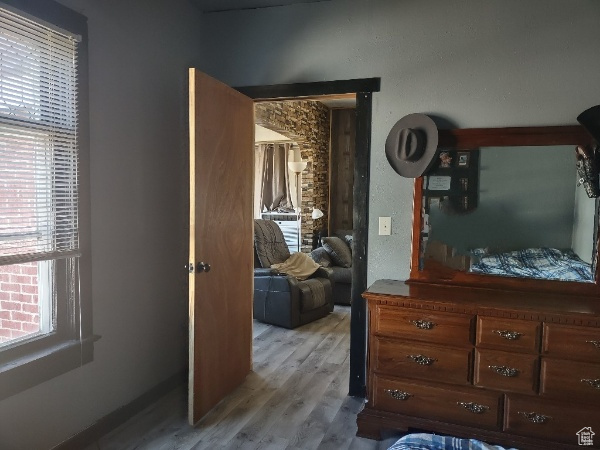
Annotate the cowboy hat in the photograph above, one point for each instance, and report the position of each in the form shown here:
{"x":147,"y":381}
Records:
{"x":411,"y":145}
{"x":590,"y":119}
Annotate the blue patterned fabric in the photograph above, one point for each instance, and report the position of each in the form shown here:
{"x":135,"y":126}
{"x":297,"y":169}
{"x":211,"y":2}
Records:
{"x":546,"y":263}
{"x":425,"y":441}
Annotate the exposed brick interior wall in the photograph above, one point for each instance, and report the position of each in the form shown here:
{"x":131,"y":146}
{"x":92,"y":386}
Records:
{"x":19,"y":305}
{"x":307,"y":123}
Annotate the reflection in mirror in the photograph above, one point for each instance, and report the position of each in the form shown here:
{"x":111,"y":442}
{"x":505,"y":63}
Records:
{"x":530,"y":220}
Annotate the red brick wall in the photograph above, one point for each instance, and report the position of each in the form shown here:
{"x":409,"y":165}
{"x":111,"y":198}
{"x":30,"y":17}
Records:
{"x":19,"y":306}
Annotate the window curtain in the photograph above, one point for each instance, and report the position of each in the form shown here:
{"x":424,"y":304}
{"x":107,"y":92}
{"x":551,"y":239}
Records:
{"x":272,"y":187}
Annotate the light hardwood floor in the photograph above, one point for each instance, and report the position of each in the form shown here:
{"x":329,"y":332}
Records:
{"x":295,"y":398}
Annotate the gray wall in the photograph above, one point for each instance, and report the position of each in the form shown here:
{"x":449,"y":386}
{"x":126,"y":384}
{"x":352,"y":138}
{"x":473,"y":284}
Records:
{"x":526,"y":200}
{"x":479,"y":63}
{"x":139,"y":54}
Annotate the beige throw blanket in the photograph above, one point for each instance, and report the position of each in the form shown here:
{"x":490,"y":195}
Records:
{"x":299,"y":265}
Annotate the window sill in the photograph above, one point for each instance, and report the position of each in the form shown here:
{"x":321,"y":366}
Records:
{"x":49,"y":361}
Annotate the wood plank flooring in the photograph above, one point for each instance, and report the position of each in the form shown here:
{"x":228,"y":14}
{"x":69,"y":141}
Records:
{"x":295,"y":398}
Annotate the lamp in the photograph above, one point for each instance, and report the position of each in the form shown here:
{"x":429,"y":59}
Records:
{"x":316,"y":214}
{"x":297,"y":167}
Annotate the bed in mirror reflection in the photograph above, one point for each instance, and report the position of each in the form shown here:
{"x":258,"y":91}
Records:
{"x":518,"y":212}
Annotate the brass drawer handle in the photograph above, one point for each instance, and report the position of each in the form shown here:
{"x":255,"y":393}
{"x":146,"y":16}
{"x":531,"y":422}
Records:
{"x":594,"y":343}
{"x":422,"y":360}
{"x":535,"y":417}
{"x":423,"y":324}
{"x":593,"y":383}
{"x":398,"y":395}
{"x":508,"y":335}
{"x":473,"y":407}
{"x":505,"y":371}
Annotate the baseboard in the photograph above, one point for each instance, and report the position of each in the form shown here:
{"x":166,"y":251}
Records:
{"x":120,"y":415}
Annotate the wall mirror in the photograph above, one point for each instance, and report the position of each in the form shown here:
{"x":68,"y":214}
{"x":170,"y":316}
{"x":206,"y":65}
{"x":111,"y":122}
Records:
{"x":502,"y":207}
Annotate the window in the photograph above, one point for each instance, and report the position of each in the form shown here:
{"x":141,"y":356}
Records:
{"x":44,"y":313}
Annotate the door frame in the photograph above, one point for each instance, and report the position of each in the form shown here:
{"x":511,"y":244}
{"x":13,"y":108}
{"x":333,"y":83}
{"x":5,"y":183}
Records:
{"x":363,"y":88}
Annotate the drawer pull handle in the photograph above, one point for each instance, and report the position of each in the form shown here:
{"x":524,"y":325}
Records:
{"x":535,"y":417}
{"x":509,"y":335}
{"x":595,"y":344}
{"x":473,"y":407}
{"x":422,"y":360}
{"x":505,"y":371}
{"x":593,"y":383}
{"x":398,"y":395}
{"x":423,"y":324}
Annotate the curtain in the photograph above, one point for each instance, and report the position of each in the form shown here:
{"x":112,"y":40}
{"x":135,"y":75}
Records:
{"x":272,"y":189}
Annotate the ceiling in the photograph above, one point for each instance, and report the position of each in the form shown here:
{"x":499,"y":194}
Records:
{"x":208,"y":6}
{"x":333,"y":103}
{"x":262,"y":134}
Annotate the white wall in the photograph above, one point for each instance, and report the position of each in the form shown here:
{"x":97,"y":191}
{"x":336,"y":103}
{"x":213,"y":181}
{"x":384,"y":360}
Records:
{"x":478,"y":63}
{"x":139,"y":55}
{"x":583,"y":225}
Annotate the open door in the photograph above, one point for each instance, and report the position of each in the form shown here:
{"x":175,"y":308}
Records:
{"x":221,"y":259}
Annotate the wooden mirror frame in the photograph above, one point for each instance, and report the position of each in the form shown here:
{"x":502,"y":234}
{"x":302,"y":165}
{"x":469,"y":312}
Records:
{"x":473,"y":138}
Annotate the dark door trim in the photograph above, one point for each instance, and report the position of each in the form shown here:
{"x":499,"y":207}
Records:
{"x":363,"y":88}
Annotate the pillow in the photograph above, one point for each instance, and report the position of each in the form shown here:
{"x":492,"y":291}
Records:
{"x":338,"y":250}
{"x":348,"y":239}
{"x":321,"y":257}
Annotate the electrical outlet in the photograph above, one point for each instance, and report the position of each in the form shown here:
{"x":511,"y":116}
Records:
{"x":385,"y":226}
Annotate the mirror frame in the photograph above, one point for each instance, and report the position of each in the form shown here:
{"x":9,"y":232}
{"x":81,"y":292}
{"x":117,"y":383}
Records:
{"x":466,"y":139}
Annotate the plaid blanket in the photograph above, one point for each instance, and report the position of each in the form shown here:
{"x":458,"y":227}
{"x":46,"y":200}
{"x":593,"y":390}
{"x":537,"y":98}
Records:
{"x":545,"y":263}
{"x":424,"y":441}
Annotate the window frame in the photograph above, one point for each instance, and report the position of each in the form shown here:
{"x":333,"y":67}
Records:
{"x":32,"y":361}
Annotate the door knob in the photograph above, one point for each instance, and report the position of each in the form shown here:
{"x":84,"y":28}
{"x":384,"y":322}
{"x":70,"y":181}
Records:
{"x":203,"y":267}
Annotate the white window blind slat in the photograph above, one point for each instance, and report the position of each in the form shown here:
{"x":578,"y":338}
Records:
{"x":38,"y":142}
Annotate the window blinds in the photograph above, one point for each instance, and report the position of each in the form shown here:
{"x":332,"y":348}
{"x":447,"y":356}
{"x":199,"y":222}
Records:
{"x":38,"y":141}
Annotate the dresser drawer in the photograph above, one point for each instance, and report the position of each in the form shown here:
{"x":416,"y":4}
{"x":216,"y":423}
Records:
{"x":508,"y":334}
{"x":506,"y":371}
{"x":423,"y":361}
{"x":530,"y":416}
{"x":451,"y":329}
{"x":570,"y":379}
{"x":581,"y":343}
{"x":473,"y":407}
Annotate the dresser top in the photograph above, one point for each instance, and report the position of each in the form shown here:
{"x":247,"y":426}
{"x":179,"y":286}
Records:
{"x":479,"y":300}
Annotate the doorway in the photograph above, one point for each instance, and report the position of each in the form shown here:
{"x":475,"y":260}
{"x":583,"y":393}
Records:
{"x":363,"y":89}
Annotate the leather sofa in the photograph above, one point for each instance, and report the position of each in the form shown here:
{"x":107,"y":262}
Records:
{"x":336,"y":255}
{"x":281,"y":299}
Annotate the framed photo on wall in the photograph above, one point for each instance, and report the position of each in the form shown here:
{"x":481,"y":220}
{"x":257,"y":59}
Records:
{"x":462,"y":159}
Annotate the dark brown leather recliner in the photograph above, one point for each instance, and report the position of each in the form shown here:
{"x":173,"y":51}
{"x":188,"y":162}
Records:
{"x":281,"y":299}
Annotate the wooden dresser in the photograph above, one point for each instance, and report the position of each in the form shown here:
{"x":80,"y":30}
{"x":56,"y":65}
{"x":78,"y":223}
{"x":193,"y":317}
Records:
{"x":518,"y":369}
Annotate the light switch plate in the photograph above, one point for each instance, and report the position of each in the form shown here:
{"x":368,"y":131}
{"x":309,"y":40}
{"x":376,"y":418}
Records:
{"x":385,"y":226}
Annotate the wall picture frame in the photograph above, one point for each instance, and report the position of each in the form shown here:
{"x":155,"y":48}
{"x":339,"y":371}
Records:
{"x":462,"y":159}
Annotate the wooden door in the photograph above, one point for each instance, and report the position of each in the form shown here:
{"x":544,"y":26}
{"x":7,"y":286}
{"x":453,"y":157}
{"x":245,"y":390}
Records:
{"x":221,"y":282}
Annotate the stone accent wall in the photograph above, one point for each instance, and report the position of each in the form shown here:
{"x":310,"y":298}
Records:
{"x":307,"y":123}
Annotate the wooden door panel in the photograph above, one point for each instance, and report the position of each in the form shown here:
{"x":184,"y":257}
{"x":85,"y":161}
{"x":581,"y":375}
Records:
{"x":221,"y":186}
